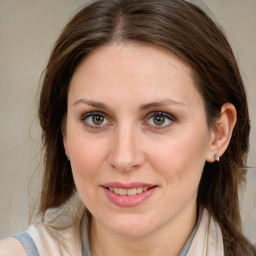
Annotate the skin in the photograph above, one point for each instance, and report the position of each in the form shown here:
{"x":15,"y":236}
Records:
{"x":130,"y":146}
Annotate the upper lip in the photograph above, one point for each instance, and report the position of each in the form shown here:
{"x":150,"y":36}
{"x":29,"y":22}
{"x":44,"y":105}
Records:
{"x":128,"y":185}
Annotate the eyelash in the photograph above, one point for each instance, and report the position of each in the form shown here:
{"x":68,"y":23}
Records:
{"x":149,"y":116}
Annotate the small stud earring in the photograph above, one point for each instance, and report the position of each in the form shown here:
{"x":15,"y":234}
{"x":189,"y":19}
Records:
{"x":68,"y":158}
{"x":216,"y":157}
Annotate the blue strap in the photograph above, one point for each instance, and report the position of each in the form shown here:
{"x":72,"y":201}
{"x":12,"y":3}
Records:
{"x":84,"y":236}
{"x":28,"y":243}
{"x":186,"y":247}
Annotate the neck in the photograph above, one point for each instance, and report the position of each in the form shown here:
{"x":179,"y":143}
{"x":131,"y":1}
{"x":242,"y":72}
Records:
{"x":168,"y":239}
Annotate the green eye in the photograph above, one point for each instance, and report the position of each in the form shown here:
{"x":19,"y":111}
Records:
{"x":95,"y":120}
{"x":98,"y":119}
{"x":159,"y":120}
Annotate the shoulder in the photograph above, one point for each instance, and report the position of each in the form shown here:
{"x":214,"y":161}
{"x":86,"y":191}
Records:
{"x":12,"y":247}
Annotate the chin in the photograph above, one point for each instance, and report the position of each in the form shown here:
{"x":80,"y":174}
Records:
{"x":131,"y":228}
{"x":131,"y":231}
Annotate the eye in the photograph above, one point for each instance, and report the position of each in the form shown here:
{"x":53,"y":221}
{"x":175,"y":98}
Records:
{"x":160,"y":119}
{"x":95,"y":120}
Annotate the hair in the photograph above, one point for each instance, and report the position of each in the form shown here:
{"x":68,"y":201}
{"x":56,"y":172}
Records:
{"x":185,"y":30}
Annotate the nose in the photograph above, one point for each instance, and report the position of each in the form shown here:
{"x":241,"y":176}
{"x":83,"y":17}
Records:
{"x":126,"y":150}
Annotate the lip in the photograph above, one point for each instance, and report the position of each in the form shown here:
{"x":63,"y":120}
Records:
{"x":128,"y":201}
{"x":128,"y":185}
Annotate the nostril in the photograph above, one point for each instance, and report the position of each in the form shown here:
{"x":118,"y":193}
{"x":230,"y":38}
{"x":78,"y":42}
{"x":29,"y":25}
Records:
{"x":125,"y":167}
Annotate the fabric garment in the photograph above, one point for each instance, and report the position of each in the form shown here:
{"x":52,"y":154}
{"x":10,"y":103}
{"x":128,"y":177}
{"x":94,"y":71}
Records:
{"x":52,"y":239}
{"x":28,"y":243}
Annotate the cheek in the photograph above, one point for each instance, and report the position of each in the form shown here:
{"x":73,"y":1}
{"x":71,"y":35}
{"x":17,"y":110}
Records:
{"x":180,"y":161}
{"x":86,"y":157}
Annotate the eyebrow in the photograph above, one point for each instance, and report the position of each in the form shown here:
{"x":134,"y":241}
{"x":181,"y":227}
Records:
{"x":142,"y":107}
{"x":90,"y":103}
{"x":161,"y":103}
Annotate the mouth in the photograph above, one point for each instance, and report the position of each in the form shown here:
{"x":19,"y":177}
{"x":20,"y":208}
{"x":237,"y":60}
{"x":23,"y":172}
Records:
{"x":128,"y":192}
{"x":128,"y":195}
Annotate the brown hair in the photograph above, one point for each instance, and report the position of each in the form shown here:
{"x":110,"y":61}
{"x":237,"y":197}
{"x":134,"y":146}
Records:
{"x":186,"y":31}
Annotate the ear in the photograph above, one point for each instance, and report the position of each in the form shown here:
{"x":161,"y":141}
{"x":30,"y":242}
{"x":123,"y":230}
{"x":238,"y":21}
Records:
{"x":222,"y":132}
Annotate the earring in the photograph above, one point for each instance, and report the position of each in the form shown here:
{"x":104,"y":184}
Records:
{"x":216,"y":157}
{"x":68,"y":158}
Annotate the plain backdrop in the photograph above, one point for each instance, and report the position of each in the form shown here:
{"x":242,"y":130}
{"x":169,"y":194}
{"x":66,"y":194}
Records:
{"x":28,"y":29}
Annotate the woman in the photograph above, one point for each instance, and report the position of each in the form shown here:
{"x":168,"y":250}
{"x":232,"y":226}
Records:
{"x":145,"y":124}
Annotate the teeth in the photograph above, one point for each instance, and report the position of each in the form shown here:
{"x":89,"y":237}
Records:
{"x":129,"y":192}
{"x":122,"y":191}
{"x":140,"y":190}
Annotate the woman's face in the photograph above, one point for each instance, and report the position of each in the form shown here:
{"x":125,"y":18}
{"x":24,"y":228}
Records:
{"x":137,"y":137}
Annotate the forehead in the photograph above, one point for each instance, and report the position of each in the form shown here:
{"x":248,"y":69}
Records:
{"x":129,"y":69}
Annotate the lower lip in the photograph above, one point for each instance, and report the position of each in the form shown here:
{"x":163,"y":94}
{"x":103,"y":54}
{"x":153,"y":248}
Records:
{"x":128,"y":201}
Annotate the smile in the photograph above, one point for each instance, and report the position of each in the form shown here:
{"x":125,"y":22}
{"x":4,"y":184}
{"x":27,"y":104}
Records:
{"x":128,"y":192}
{"x":128,"y":195}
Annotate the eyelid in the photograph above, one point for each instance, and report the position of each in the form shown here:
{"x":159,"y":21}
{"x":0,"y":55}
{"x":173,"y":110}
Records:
{"x":161,"y":113}
{"x":90,"y":113}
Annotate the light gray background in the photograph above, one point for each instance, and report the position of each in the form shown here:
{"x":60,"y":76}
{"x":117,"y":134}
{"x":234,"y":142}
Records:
{"x":28,"y":29}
